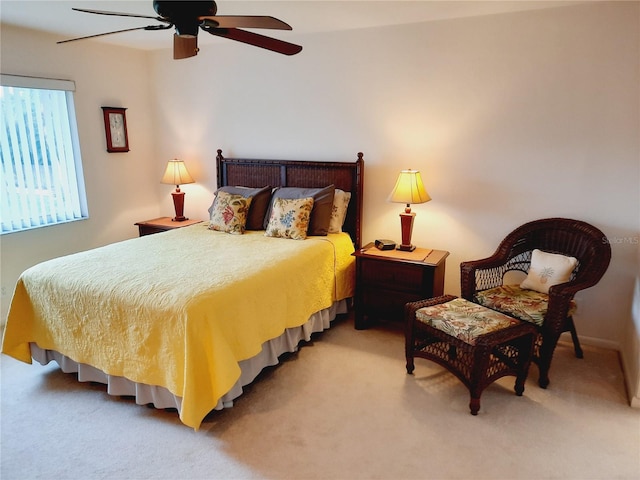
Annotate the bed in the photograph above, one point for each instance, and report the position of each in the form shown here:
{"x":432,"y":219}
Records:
{"x":186,"y":318}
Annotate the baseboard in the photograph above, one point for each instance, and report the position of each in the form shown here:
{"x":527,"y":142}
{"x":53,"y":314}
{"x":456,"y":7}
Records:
{"x":630,"y":382}
{"x":629,"y":354}
{"x":592,"y":341}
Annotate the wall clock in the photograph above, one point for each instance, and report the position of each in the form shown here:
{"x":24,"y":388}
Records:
{"x":115,"y":125}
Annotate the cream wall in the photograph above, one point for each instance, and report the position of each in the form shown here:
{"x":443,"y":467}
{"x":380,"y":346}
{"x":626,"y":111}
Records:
{"x":121,"y":187}
{"x":509,"y":117}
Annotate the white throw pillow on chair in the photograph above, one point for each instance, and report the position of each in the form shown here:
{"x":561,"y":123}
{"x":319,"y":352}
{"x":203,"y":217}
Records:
{"x":548,"y":269}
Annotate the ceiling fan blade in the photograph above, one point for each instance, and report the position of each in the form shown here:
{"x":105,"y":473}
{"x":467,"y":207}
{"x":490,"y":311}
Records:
{"x":118,"y":14}
{"x":184,"y":46}
{"x":245,"y":21}
{"x":153,"y":27}
{"x":256,"y":40}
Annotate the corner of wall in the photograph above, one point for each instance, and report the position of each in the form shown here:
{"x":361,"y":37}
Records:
{"x":630,"y":351}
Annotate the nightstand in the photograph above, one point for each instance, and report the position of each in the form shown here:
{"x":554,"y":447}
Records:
{"x":162,"y":224}
{"x":388,"y":279}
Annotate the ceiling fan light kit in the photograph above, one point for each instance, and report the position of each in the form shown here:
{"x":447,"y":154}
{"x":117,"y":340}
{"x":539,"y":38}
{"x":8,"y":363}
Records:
{"x":189,"y":17}
{"x":184,"y":46}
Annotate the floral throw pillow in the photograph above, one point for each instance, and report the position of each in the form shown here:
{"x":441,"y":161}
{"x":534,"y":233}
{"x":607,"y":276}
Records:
{"x":339,"y":212}
{"x":548,"y":269}
{"x":289,"y":218}
{"x":229,"y":213}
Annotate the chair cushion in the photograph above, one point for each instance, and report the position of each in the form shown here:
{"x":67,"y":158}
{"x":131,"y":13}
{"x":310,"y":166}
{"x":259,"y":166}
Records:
{"x":463,"y":319}
{"x":527,"y":305}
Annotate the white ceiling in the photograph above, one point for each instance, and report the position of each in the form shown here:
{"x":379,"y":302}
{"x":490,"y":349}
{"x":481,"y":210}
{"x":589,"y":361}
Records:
{"x":305,"y":16}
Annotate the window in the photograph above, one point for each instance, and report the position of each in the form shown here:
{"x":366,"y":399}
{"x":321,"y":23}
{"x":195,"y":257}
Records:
{"x":42,"y":181}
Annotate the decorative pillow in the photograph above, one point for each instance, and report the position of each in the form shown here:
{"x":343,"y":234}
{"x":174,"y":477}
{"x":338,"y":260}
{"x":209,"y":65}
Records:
{"x":548,"y":269}
{"x":339,"y":211}
{"x":322,"y":205}
{"x":289,"y":218}
{"x":260,"y":198}
{"x":229,"y":213}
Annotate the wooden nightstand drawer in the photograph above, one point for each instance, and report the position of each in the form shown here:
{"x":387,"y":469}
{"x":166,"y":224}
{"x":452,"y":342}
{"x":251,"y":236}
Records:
{"x":388,"y":304}
{"x":392,"y":275}
{"x":149,"y":230}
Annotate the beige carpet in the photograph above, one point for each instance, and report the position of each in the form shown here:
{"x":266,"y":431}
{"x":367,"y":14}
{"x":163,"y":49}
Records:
{"x":341,"y":408}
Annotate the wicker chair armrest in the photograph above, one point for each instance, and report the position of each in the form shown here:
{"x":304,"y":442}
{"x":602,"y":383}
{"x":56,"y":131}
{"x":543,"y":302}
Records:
{"x":558,"y":309}
{"x":560,"y":297}
{"x":582,"y":282}
{"x":468,"y":279}
{"x":494,"y":261}
{"x":567,"y":290}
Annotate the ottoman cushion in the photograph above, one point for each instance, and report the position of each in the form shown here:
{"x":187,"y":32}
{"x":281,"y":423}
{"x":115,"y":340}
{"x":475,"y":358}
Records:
{"x":464,"y":320}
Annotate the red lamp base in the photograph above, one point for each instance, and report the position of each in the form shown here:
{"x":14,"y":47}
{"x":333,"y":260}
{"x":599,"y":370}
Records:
{"x":178,"y":205}
{"x":406,"y":222}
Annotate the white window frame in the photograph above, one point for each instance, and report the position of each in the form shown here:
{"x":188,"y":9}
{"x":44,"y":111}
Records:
{"x":50,"y":189}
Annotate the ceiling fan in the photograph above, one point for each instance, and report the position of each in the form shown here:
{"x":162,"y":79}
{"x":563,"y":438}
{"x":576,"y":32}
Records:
{"x":189,"y":16}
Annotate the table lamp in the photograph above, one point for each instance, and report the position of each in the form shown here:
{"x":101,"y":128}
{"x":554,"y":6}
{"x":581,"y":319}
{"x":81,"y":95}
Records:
{"x":177,"y":174}
{"x":409,"y":189}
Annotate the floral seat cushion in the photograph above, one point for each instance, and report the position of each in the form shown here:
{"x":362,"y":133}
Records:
{"x":464,"y":320}
{"x":527,"y":305}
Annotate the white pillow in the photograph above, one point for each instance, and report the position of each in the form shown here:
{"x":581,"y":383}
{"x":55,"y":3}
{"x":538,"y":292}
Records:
{"x":548,"y":269}
{"x":339,"y":211}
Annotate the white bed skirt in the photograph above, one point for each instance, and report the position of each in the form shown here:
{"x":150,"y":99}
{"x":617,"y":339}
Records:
{"x":160,"y":397}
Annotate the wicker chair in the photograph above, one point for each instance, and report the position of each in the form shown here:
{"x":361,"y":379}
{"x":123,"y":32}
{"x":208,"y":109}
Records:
{"x":553,"y":235}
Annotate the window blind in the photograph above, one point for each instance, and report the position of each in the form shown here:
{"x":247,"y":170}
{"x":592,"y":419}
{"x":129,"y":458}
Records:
{"x":42,"y":176}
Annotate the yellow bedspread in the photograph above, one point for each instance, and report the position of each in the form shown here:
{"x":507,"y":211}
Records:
{"x":177,"y":309}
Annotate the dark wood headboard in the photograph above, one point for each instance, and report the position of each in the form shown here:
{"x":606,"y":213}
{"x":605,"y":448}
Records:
{"x":347,"y":176}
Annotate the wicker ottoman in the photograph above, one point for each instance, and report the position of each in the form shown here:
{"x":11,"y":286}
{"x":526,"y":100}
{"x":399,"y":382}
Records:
{"x":477,"y":344}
